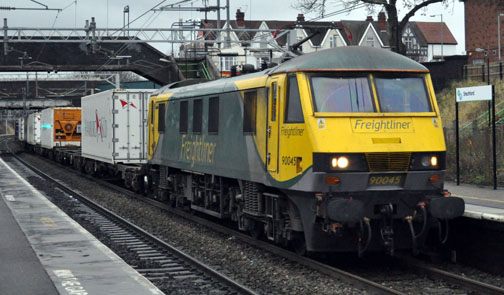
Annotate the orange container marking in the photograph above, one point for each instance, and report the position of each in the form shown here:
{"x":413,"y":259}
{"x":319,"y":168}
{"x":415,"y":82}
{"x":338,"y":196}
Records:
{"x":65,"y":125}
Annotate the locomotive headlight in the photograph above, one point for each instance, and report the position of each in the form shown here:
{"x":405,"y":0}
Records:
{"x":425,"y":161}
{"x":433,"y":161}
{"x":429,"y":161}
{"x":343,"y":162}
{"x":334,"y":162}
{"x":339,"y":162}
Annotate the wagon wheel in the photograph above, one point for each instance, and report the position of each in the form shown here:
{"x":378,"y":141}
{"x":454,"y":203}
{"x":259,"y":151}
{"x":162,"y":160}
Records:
{"x":136,"y":184}
{"x":88,"y":168}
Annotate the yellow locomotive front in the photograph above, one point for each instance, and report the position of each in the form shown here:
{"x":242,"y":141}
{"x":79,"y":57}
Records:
{"x":370,"y":147}
{"x":385,"y":125}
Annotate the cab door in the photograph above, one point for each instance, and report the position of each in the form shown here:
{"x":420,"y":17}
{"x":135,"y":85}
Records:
{"x":152,"y":134}
{"x":272,"y":132}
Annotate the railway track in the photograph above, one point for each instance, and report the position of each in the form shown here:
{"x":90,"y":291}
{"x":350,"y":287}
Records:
{"x":412,"y":265}
{"x":161,"y":263}
{"x":436,"y":273}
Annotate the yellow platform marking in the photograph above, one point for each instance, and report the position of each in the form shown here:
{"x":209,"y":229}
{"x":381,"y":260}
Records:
{"x":478,"y":198}
{"x":47,"y":221}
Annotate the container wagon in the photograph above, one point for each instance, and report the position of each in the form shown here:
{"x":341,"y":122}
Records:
{"x":33,"y":129}
{"x":114,"y":138}
{"x":21,"y":129}
{"x":60,"y":127}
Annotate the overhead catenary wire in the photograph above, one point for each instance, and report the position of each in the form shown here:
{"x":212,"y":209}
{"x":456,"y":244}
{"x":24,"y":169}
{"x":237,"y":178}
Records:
{"x":340,"y":11}
{"x":186,"y":2}
{"x":124,"y":46}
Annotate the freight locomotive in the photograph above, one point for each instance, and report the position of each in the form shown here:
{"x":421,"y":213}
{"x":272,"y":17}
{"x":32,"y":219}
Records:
{"x":338,"y":150}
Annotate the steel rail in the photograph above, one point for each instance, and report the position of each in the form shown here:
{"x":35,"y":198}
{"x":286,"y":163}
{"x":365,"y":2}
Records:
{"x":203,"y":267}
{"x":433,"y":272}
{"x":370,"y":286}
{"x":355,"y":280}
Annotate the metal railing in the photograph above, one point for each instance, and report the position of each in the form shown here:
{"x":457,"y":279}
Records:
{"x":484,"y":119}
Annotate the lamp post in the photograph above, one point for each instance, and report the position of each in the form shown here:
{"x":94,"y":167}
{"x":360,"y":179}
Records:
{"x":487,"y":57}
{"x":126,"y":10}
{"x":499,"y":34}
{"x":442,"y":29}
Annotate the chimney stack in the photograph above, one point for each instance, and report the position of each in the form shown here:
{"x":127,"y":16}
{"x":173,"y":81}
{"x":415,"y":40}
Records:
{"x":369,"y":18}
{"x":382,"y":22}
{"x":240,"y":18}
{"x":300,"y":18}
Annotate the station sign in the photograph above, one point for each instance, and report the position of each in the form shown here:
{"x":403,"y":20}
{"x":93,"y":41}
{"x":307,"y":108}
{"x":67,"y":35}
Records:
{"x":474,"y":93}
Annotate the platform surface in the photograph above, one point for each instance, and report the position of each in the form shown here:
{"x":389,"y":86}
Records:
{"x":43,"y":251}
{"x":481,"y":202}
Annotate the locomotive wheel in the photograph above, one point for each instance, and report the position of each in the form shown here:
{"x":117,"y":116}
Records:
{"x":257,"y":231}
{"x":162,"y":196}
{"x":299,"y":246}
{"x":146,"y":185}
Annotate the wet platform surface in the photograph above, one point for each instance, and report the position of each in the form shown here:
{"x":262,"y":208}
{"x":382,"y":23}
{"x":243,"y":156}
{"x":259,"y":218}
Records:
{"x":43,"y":251}
{"x":481,"y":202}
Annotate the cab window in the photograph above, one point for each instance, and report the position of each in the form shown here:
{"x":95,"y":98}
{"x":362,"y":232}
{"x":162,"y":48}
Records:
{"x":402,"y":95}
{"x":293,"y":110}
{"x":333,"y":94}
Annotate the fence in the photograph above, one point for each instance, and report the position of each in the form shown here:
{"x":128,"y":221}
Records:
{"x":475,"y":154}
{"x":480,"y":71}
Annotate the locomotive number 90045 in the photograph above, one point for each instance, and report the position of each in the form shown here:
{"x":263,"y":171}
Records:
{"x":385,"y":180}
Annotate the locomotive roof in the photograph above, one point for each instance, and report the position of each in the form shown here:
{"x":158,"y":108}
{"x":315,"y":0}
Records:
{"x":348,"y":58}
{"x":351,"y":58}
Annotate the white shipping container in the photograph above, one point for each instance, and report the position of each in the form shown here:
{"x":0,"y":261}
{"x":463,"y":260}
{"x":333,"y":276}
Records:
{"x":33,"y":129}
{"x":47,"y":130}
{"x":114,"y":126}
{"x":21,"y":129}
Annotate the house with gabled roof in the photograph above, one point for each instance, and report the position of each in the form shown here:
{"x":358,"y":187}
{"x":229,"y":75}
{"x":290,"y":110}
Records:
{"x":428,"y":41}
{"x":421,"y":39}
{"x":369,"y":32}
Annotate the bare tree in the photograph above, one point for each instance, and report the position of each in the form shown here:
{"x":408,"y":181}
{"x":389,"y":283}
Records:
{"x":396,"y":27}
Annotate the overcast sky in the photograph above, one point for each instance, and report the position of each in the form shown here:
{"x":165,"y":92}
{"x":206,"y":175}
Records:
{"x":109,"y":13}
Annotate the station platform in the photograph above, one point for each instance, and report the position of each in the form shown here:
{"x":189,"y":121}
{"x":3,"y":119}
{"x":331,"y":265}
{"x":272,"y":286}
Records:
{"x":43,"y":251}
{"x":480,"y":202}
